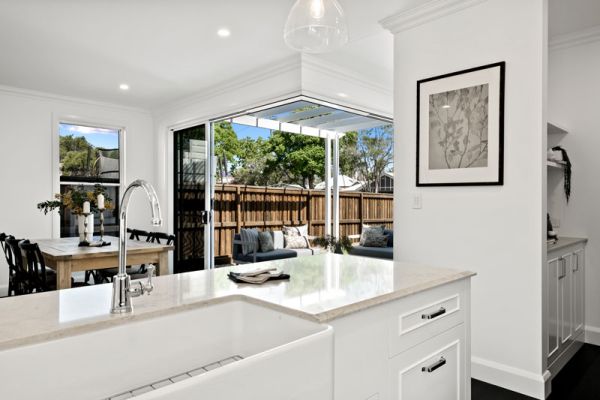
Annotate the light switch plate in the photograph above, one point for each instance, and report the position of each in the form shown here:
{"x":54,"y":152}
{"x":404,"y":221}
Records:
{"x":417,"y":201}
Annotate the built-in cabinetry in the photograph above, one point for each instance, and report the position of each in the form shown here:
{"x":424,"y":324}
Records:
{"x":566,"y":301}
{"x":415,"y":348}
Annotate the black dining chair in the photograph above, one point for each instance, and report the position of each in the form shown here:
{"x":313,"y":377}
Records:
{"x":18,"y":279}
{"x":41,"y":277}
{"x":106,"y":275}
{"x":154,"y":237}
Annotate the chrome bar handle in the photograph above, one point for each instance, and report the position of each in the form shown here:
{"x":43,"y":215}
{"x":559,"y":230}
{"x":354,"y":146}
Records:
{"x":439,"y":363}
{"x":576,"y":263}
{"x":563,"y":269}
{"x":434,"y":314}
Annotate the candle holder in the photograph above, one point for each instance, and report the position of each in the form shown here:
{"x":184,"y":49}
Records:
{"x":102,"y":224}
{"x":85,"y":242}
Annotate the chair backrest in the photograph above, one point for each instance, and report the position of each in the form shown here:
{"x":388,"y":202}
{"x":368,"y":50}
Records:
{"x":18,"y":276}
{"x":36,"y":266}
{"x":161,"y":238}
{"x":137,"y":234}
{"x":3,"y":237}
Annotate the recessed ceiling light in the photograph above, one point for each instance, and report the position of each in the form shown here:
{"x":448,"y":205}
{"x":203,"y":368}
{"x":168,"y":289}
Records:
{"x":124,"y":86}
{"x":446,"y":106}
{"x":224,"y":32}
{"x":342,"y":94}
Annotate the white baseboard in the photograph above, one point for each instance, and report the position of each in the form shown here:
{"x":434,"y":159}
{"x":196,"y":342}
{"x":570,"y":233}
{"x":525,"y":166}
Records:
{"x":510,"y":378}
{"x":592,"y":335}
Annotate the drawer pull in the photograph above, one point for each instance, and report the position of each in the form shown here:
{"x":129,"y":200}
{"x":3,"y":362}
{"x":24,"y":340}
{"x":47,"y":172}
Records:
{"x":439,"y":363}
{"x":435,"y":314}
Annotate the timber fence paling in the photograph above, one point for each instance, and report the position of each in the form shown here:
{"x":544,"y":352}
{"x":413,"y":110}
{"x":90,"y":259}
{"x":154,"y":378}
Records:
{"x":268,"y":208}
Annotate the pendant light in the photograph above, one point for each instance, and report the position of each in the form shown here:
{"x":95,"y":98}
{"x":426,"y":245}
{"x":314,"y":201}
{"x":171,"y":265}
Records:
{"x":316,"y":26}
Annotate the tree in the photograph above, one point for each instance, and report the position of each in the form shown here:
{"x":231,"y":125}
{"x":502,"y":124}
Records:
{"x":349,"y":156}
{"x":375,"y":148}
{"x":250,"y":162}
{"x":296,"y":158}
{"x":226,"y":148}
{"x":76,"y":154}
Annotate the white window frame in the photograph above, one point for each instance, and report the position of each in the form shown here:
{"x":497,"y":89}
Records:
{"x":55,"y":167}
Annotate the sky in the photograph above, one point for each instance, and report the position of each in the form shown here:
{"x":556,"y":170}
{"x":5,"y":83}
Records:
{"x":245,"y":131}
{"x":97,"y":137}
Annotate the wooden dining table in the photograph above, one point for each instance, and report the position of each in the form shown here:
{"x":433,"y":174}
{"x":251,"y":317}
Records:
{"x":65,"y":256}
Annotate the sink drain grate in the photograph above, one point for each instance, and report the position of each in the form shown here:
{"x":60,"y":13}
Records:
{"x":177,"y":378}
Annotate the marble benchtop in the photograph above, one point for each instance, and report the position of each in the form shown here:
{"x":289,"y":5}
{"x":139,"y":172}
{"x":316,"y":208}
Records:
{"x":321,"y":288}
{"x":565,"y":242}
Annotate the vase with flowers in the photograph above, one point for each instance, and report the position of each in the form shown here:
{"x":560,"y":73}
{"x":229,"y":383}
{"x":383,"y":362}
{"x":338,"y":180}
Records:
{"x":83,"y":204}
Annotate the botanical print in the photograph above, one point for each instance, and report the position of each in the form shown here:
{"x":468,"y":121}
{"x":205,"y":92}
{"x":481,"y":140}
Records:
{"x":458,"y":128}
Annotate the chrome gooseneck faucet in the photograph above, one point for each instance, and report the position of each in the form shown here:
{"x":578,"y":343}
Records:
{"x":122,"y":290}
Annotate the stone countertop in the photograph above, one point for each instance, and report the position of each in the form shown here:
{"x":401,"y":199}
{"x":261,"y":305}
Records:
{"x":565,"y":242}
{"x":321,"y":288}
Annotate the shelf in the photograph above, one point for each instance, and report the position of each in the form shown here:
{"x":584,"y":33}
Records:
{"x":555,"y":164}
{"x":555,"y":129}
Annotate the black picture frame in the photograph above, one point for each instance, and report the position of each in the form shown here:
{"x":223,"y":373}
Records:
{"x":499,"y":177}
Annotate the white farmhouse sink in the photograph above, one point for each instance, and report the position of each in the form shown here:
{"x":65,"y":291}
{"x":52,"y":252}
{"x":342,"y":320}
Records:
{"x":280,"y":357}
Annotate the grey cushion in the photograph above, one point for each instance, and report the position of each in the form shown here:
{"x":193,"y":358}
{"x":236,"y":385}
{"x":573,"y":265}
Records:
{"x":390,"y":236}
{"x":266,"y":241}
{"x":250,"y":240}
{"x":376,"y":252}
{"x":278,"y":242}
{"x":278,"y":254}
{"x":370,"y":231}
{"x":375,"y":241}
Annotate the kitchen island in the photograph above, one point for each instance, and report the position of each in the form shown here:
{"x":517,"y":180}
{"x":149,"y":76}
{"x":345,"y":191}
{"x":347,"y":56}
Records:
{"x":399,"y":328}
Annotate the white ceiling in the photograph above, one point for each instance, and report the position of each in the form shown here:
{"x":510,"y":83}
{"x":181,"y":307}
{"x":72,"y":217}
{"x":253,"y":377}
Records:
{"x":164,"y":49}
{"x":567,"y":16}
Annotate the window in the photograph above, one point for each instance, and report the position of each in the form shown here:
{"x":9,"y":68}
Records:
{"x":89,"y":156}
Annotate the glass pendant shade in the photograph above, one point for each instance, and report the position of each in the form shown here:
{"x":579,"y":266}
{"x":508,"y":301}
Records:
{"x":316,"y":26}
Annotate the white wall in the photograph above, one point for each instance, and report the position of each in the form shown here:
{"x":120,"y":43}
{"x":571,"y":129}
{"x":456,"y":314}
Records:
{"x":494,"y":231}
{"x":26,"y":133}
{"x":573,"y":87}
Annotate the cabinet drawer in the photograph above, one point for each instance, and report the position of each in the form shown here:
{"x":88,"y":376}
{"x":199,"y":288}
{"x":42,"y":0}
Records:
{"x":433,"y":370}
{"x":428,"y":316}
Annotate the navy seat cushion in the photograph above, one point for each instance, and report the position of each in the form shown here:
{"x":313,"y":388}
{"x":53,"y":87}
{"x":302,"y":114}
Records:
{"x":277,"y":254}
{"x":377,"y":252}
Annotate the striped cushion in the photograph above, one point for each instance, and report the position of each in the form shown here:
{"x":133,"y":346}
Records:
{"x":250,"y":240}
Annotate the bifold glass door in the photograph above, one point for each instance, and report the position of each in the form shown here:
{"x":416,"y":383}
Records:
{"x":192,"y":199}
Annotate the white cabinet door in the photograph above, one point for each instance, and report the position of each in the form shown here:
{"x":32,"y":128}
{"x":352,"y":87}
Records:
{"x":553,"y":271}
{"x":566,"y":298}
{"x":433,"y":370}
{"x":578,"y":282}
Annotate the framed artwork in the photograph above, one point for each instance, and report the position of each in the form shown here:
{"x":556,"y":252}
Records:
{"x":460,"y":128}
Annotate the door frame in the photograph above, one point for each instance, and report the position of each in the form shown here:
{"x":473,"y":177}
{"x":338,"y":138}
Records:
{"x":209,"y":261}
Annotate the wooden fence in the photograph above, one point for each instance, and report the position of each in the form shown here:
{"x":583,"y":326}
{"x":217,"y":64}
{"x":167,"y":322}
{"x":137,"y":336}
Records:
{"x":267,"y":208}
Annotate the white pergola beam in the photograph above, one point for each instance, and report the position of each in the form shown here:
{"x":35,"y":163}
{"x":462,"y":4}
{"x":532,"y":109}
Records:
{"x":285,"y":108}
{"x":336,"y":187}
{"x":328,"y":185}
{"x":306,"y":115}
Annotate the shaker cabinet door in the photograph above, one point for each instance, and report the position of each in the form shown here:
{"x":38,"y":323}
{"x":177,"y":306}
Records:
{"x":433,"y":370}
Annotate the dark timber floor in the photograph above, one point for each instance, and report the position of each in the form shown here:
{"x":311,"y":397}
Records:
{"x":578,"y":380}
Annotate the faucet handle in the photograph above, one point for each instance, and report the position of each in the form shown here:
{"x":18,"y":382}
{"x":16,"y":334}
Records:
{"x":148,"y":287}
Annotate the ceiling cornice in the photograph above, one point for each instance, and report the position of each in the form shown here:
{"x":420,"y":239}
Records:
{"x":575,"y":38}
{"x":339,"y":72}
{"x":430,"y":11}
{"x":38,"y":95}
{"x":231,"y":85}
